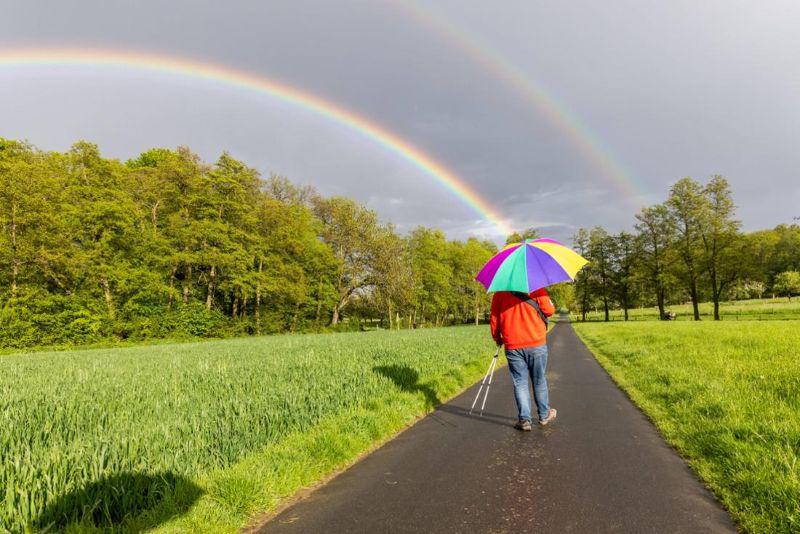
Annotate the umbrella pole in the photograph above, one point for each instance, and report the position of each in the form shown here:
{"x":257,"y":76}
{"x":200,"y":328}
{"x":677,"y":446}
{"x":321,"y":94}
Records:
{"x":491,"y":376}
{"x":487,"y":376}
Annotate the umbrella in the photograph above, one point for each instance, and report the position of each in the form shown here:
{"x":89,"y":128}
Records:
{"x":530,"y":265}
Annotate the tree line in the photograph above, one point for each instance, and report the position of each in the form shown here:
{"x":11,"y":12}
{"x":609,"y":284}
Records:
{"x":690,"y":248}
{"x":165,"y":244}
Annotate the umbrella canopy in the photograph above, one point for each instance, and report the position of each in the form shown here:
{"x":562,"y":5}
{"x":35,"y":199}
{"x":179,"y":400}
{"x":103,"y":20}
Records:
{"x":529,"y":266}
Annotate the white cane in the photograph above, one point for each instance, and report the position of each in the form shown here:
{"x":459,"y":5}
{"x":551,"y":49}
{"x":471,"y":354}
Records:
{"x":487,"y":381}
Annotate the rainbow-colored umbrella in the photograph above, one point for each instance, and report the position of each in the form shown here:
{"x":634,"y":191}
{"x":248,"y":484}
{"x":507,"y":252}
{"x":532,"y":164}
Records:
{"x":529,"y":266}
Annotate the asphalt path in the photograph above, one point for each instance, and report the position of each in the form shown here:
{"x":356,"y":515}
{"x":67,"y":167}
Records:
{"x":600,"y":467}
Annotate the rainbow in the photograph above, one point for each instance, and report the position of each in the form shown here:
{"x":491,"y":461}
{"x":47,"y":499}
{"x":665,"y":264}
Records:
{"x":235,"y":78}
{"x":556,"y":112}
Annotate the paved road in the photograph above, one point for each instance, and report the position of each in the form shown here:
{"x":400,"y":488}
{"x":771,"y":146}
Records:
{"x":601,"y":467}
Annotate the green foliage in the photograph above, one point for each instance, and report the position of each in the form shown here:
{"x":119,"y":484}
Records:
{"x":519,"y":237}
{"x":166,"y":245}
{"x":787,"y":283}
{"x":688,"y":249}
{"x":727,"y":396}
{"x":244,"y":422}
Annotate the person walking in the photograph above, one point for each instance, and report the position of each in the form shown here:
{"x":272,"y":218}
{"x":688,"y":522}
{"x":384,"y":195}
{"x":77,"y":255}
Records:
{"x":519,"y":321}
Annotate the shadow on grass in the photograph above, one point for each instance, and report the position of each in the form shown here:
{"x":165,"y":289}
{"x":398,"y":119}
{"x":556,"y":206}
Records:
{"x":122,"y":501}
{"x":407,"y":379}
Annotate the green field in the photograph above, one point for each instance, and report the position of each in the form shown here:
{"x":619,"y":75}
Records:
{"x":727,"y":396}
{"x":205,"y":436}
{"x":756,"y":309}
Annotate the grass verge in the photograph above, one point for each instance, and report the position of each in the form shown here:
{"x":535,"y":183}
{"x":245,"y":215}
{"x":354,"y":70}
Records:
{"x":727,"y":396}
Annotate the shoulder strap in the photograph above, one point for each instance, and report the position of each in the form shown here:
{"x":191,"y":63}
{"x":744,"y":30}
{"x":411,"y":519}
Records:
{"x":524,"y":297}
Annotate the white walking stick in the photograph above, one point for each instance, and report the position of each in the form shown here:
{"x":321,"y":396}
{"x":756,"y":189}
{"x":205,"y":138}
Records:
{"x":487,"y":381}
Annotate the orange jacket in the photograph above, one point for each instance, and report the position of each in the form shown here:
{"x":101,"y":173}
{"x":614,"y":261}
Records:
{"x":516,"y":323}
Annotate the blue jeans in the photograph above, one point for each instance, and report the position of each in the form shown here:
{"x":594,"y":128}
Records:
{"x":529,"y":362}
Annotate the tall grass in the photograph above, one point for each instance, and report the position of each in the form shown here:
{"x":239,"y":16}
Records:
{"x":727,"y":395}
{"x":203,"y":435}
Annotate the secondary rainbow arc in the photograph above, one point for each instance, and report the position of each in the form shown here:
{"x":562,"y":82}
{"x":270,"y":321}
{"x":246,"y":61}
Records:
{"x":245,"y":80}
{"x":554,"y":110}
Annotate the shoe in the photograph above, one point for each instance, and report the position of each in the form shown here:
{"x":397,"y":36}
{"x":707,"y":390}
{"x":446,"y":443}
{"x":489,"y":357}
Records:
{"x":550,"y":416}
{"x":524,"y":425}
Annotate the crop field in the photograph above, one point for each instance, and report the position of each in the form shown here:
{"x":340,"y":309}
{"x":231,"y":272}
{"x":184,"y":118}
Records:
{"x":727,"y":396}
{"x":203,"y":436}
{"x":756,"y":309}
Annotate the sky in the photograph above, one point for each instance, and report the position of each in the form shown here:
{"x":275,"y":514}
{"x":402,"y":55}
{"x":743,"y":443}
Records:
{"x":560,"y":115}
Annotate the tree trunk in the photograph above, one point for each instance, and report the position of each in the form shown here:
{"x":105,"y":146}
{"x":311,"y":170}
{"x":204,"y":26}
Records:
{"x":172,"y":286}
{"x":695,"y":303}
{"x":210,"y":296}
{"x":318,"y":314}
{"x":605,"y":308}
{"x":154,"y":217}
{"x":258,"y":296}
{"x":14,"y":274}
{"x":234,"y":307}
{"x":625,"y":304}
{"x":660,"y":300}
{"x":715,"y":293}
{"x":14,"y":260}
{"x":335,"y":316}
{"x":187,"y":282}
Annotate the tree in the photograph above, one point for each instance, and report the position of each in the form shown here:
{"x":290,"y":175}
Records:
{"x":28,"y":198}
{"x":787,"y":283}
{"x":563,"y":296}
{"x":517,"y":237}
{"x":600,"y":254}
{"x":394,"y":277}
{"x":720,"y":238}
{"x":583,"y":280}
{"x":689,"y":208}
{"x":466,"y":259}
{"x":624,"y":263}
{"x":433,"y":273}
{"x":656,"y":233}
{"x":351,"y":231}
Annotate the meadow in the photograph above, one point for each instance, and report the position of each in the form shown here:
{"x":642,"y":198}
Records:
{"x":727,"y":396}
{"x":754,"y":309}
{"x":206,"y":436}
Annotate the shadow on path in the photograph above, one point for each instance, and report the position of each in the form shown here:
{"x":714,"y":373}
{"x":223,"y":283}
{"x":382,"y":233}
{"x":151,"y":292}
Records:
{"x":487,"y":417}
{"x":137,"y":501}
{"x":407,"y":379}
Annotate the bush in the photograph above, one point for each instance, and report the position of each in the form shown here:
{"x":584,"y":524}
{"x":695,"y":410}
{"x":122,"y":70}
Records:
{"x":39,"y":318}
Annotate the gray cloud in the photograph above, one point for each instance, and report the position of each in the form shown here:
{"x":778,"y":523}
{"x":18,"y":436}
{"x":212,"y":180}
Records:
{"x":668,"y":89}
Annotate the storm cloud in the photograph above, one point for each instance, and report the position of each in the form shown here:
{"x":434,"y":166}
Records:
{"x":661,"y":90}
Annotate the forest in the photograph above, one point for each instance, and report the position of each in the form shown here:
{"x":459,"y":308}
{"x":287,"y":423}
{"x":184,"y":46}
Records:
{"x":165,"y":245}
{"x":688,"y":249}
